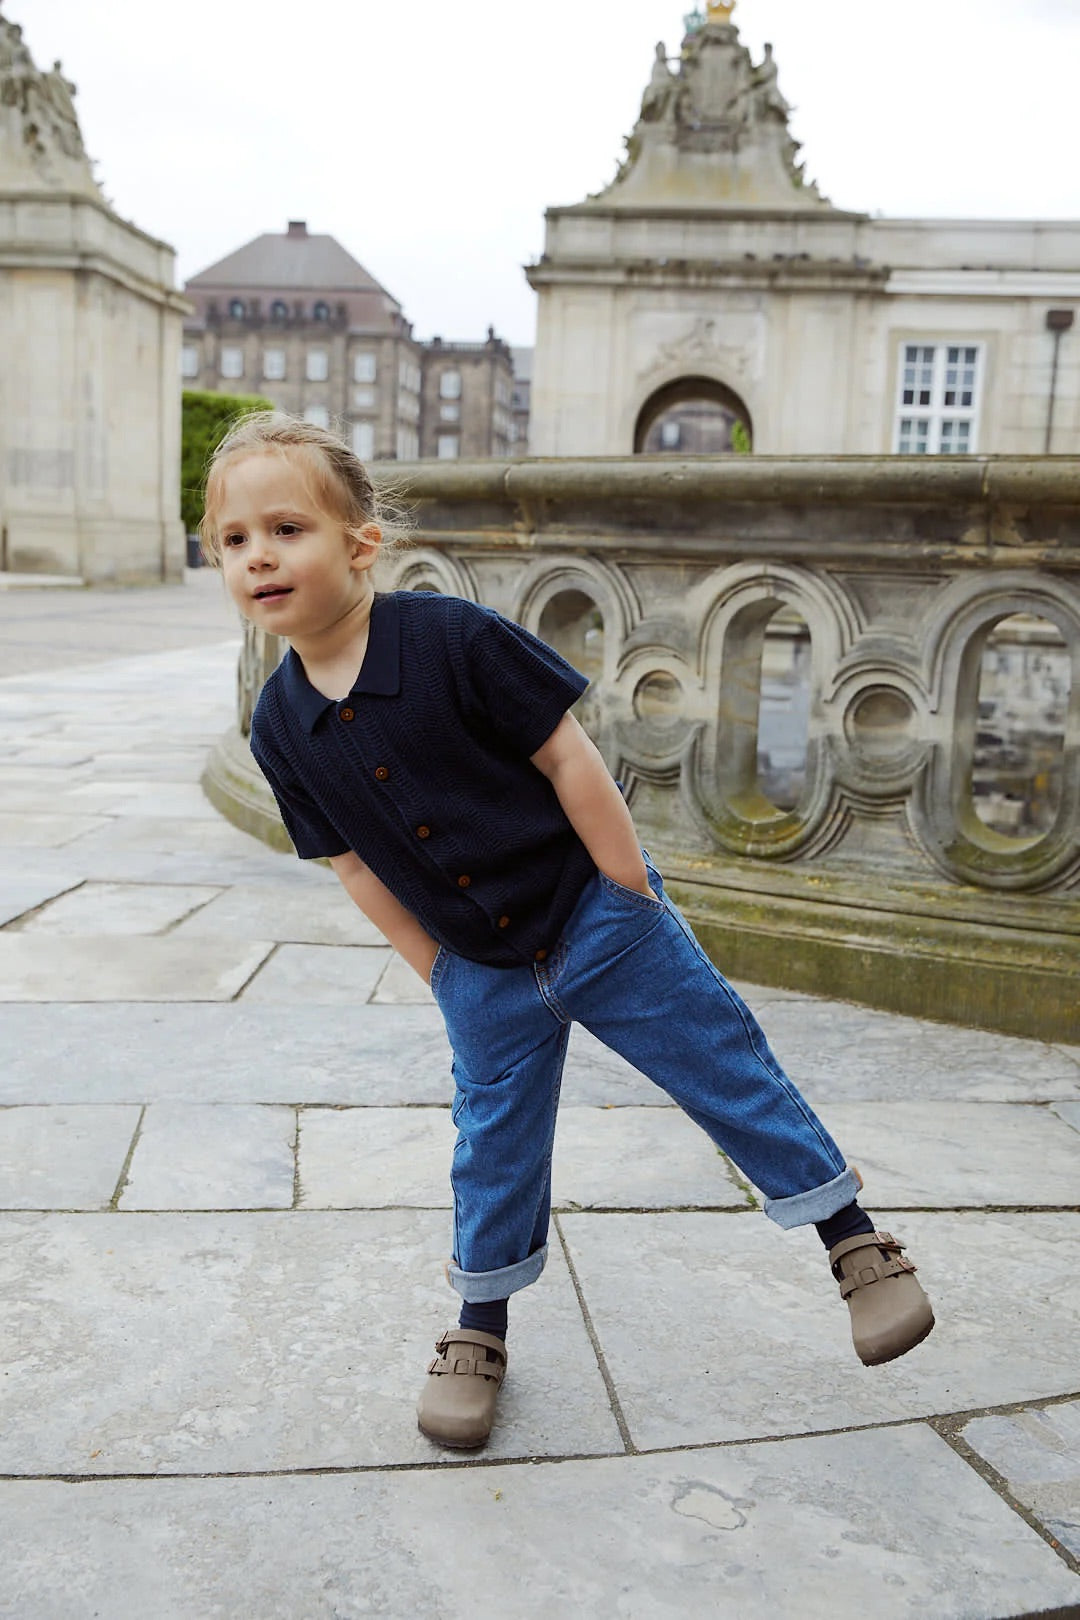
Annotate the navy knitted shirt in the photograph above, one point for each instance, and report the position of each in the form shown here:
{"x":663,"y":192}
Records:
{"x":424,"y":771}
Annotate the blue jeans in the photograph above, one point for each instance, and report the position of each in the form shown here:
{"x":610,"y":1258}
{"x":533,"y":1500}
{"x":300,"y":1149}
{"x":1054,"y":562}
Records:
{"x":629,"y":969}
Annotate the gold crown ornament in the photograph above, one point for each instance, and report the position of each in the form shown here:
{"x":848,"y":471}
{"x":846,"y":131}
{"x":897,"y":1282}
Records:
{"x":720,"y":10}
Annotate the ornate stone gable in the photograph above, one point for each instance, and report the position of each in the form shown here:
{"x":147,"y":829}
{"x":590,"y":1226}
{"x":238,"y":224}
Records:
{"x":41,"y":147}
{"x":713,"y":130}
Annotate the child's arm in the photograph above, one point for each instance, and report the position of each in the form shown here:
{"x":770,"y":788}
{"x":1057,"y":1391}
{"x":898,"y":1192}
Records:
{"x":593,"y":804}
{"x":390,"y":917}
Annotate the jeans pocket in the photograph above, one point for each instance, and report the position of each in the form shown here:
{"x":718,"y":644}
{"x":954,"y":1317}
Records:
{"x":648,"y":901}
{"x":438,"y":968}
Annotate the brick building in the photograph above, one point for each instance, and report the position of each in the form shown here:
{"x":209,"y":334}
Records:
{"x":296,"y":318}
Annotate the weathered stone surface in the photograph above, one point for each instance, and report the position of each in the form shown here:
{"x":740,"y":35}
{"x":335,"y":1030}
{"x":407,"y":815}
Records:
{"x":400,"y":986}
{"x":1069,"y":1112}
{"x":39,"y":831}
{"x":940,"y":1155}
{"x":161,"y":1343}
{"x":1038,"y":1454}
{"x":315,"y":913}
{"x":771,"y":1351}
{"x":746,"y":1533}
{"x":20,"y":894}
{"x":221,"y":1157}
{"x":645,"y":1158}
{"x":173,"y":1053}
{"x":119,"y":908}
{"x":117,"y":968}
{"x":63,"y":1157}
{"x":318,"y":975}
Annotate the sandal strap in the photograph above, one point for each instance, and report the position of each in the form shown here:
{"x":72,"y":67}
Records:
{"x":885,"y":1258}
{"x":470,"y":1366}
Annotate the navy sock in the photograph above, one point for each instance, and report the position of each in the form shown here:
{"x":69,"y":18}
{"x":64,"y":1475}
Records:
{"x":846,"y":1223}
{"x":486,"y":1317}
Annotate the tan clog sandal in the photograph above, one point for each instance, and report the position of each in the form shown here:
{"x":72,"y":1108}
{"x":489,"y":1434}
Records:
{"x":890,"y":1314}
{"x":457,"y":1406}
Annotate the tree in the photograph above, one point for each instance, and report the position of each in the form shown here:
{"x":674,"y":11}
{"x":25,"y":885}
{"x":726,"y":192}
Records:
{"x":206,"y":417}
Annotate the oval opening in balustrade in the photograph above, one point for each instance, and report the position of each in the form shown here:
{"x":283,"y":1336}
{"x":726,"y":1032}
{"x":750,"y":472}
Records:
{"x":783,"y":727}
{"x":1018,"y":757}
{"x":573,"y":624}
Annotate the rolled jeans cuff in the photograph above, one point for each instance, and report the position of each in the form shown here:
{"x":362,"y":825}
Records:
{"x":802,"y":1209}
{"x":477,"y":1287}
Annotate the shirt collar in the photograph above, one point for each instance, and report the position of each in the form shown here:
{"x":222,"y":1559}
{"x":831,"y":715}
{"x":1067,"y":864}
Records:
{"x":380,"y":672}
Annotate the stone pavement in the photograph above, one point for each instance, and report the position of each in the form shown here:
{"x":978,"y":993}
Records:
{"x":224,"y":1143}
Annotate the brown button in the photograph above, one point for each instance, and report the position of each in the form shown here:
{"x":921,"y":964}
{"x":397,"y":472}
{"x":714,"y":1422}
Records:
{"x":382,"y":774}
{"x":541,"y":956}
{"x":504,"y":922}
{"x":423,"y":832}
{"x":464,"y":880}
{"x":347,"y":714}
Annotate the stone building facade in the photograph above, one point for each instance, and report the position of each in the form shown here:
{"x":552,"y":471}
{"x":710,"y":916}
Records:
{"x":90,"y":325}
{"x":294,"y":317}
{"x":711,"y":279}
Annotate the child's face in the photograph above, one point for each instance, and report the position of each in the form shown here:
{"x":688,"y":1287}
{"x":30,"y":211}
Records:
{"x":289,"y":566}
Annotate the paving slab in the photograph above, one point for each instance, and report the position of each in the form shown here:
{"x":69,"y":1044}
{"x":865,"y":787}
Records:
{"x":216,"y":1157}
{"x":1069,"y":1112}
{"x":306,"y":976}
{"x":22,"y":893}
{"x":940,"y":1155}
{"x":163,"y":835}
{"x":302,"y":914}
{"x":769,"y":1351}
{"x":40,"y":831}
{"x":902,"y":1530}
{"x":144,"y":798}
{"x":154,"y":1343}
{"x":117,"y":968}
{"x":237,"y":1052}
{"x":836,"y":1051}
{"x":401,"y":986}
{"x":366,"y":1158}
{"x":63,"y":1157}
{"x":118,"y":908}
{"x":1038,"y":1454}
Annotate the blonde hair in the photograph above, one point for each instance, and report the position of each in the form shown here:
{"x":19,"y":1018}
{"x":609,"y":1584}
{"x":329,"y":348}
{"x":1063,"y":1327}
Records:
{"x":339,"y":480}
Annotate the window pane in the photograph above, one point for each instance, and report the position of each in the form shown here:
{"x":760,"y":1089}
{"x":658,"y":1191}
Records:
{"x":317,"y":415}
{"x":449,"y":413}
{"x":448,"y":446}
{"x":274,"y":364}
{"x":232,"y":362}
{"x":363,"y":440}
{"x":364,"y":368}
{"x":318,"y":365}
{"x":189,"y":360}
{"x":363,"y":398}
{"x":450,"y":385}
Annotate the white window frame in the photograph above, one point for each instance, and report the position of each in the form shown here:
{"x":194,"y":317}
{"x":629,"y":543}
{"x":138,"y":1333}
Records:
{"x":408,"y":443}
{"x":365,"y":367}
{"x":274,"y":364}
{"x":231,"y":361}
{"x":317,"y":415}
{"x":317,"y":365}
{"x":448,"y":447}
{"x":450,"y":412}
{"x":450,"y":385}
{"x":929,"y":422}
{"x":190,"y":360}
{"x":363,"y":440}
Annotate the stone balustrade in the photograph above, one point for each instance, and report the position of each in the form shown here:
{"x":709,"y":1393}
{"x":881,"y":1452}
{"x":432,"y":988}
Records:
{"x":669,"y":582}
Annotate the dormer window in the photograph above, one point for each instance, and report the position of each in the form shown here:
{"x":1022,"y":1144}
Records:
{"x":279,"y":310}
{"x":237,"y":309}
{"x":322,"y":311}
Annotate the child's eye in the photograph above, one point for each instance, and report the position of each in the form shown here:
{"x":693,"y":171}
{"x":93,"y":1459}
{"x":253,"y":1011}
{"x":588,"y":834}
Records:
{"x":288,"y":528}
{"x":232,"y":539}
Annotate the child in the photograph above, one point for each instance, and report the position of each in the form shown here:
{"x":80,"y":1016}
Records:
{"x":425,"y":745}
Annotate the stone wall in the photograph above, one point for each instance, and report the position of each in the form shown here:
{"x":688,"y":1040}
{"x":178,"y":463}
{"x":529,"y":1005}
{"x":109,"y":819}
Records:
{"x":665,"y":578}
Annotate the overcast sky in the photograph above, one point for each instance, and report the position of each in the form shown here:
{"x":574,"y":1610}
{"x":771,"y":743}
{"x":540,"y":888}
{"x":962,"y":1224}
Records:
{"x":429,"y":138}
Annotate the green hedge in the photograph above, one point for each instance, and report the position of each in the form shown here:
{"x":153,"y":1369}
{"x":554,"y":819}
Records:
{"x":206,"y":416}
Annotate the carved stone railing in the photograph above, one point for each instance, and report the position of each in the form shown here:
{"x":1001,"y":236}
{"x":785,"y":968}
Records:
{"x":666,"y":579}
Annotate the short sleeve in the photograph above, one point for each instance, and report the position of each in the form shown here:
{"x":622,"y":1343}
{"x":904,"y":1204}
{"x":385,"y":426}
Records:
{"x":521,"y":686}
{"x":312,"y":834}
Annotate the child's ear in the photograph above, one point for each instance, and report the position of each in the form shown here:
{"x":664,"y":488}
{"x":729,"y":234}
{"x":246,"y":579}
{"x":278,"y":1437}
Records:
{"x":364,"y":544}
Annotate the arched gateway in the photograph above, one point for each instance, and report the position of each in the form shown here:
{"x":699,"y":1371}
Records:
{"x":693,"y":416}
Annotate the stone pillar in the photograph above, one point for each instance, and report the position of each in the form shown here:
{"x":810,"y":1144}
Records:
{"x":90,"y":327}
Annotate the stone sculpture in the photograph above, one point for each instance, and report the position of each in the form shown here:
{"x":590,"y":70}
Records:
{"x":658,"y":93}
{"x":40,"y":139}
